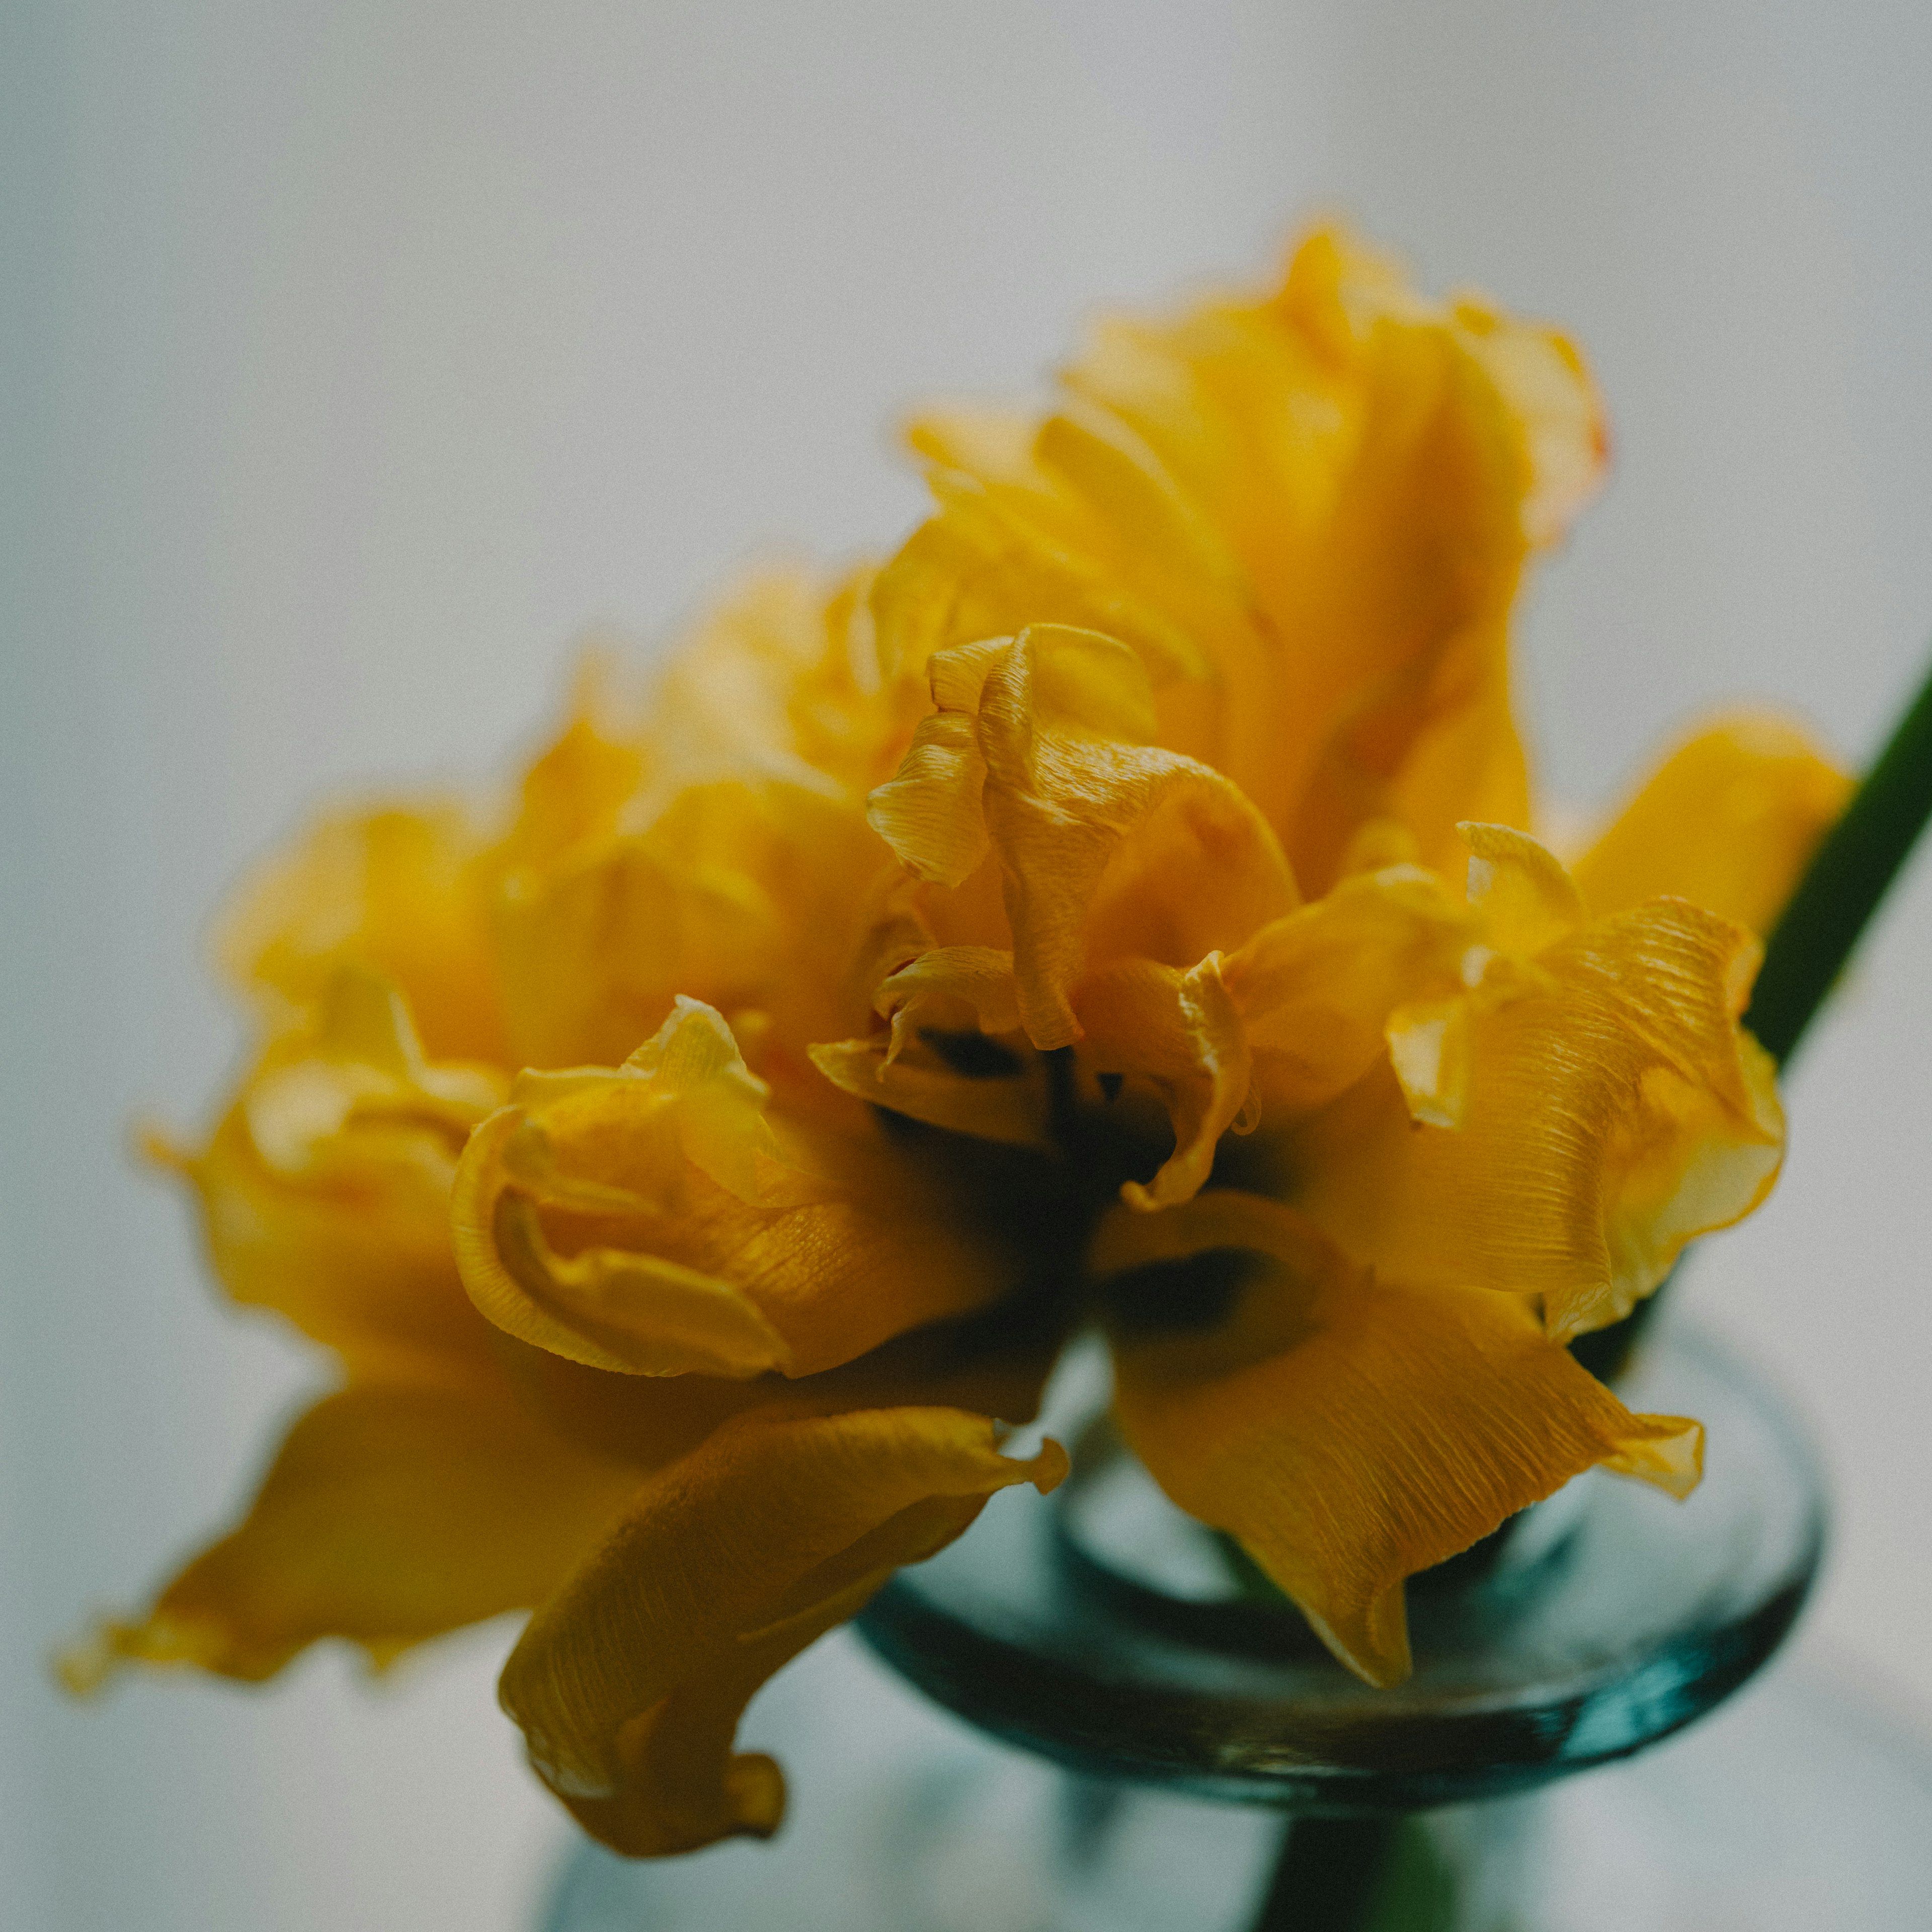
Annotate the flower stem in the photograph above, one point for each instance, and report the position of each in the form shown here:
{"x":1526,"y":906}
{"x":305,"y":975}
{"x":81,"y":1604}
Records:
{"x":1848,"y":877}
{"x":1328,"y":1876}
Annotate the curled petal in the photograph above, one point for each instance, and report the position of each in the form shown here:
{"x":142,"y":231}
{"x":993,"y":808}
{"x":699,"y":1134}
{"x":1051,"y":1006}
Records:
{"x":1349,"y":1430}
{"x":1606,"y":1109}
{"x":629,"y":1683}
{"x":1328,"y":492}
{"x":1527,"y":900}
{"x":1728,"y":821}
{"x":1107,"y":846}
{"x":651,"y":1219}
{"x":1181,"y":1031}
{"x":390,"y":1514}
{"x":1004,"y":1100}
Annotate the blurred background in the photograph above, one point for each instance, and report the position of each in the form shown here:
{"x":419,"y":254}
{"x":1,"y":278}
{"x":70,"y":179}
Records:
{"x":358,"y":357}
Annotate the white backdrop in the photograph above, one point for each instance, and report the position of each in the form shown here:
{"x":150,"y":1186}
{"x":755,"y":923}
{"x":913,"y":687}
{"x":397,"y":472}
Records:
{"x":357,"y":357}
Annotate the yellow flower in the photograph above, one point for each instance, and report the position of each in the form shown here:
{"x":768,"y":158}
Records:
{"x":1117,"y":910}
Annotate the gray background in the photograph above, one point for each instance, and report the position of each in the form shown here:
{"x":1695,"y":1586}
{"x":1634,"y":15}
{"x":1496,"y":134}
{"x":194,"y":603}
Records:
{"x":358,"y":357}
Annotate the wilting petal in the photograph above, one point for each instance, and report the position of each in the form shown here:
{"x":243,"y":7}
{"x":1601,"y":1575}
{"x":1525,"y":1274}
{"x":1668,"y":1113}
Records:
{"x":390,"y":1514}
{"x":1728,"y":821}
{"x":390,"y":891}
{"x":1107,"y":846}
{"x":1329,"y":494}
{"x":1350,"y":1430}
{"x":1611,"y":1109}
{"x":324,"y":1190}
{"x":1181,"y":1031}
{"x":648,"y":1219}
{"x":1314,"y":990}
{"x":629,"y":1684}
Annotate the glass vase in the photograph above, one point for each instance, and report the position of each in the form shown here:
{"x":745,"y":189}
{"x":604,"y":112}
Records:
{"x":1130,"y":1735}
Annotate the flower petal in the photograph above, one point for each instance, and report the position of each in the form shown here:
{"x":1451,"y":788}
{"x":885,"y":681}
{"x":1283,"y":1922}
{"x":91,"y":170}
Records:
{"x":1612,"y":1110}
{"x":1314,"y":990}
{"x":1107,"y":846}
{"x":390,"y":1514}
{"x":750,"y":894}
{"x":324,"y":1189}
{"x":1329,"y":492}
{"x":1349,"y":1430}
{"x":648,"y":1219}
{"x":1527,"y":900}
{"x":1728,"y":821}
{"x":390,"y":890}
{"x":629,"y":1684}
{"x":1181,"y":1031}
{"x":1008,"y":1104}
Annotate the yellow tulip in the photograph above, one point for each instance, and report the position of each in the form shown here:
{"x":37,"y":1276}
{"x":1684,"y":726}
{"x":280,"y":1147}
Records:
{"x":1118,"y":910}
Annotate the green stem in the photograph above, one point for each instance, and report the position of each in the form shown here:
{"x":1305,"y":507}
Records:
{"x":1328,"y":1875}
{"x":1848,"y":877}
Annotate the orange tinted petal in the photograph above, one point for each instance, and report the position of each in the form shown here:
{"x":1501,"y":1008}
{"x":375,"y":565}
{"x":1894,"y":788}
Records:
{"x":1350,"y":1430}
{"x":390,"y":1514}
{"x":629,"y":1684}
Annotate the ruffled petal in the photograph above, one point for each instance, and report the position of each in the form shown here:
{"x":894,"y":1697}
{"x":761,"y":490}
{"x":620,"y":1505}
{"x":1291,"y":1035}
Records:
{"x":390,"y":891}
{"x":651,"y":1219}
{"x":1348,"y":1429}
{"x":1107,"y":847}
{"x":1728,"y":821}
{"x":390,"y":1514}
{"x":628,"y":1684}
{"x":1328,"y":495}
{"x":1606,"y":1108}
{"x":749,"y":894}
{"x":1314,"y":990}
{"x":783,"y":678}
{"x":324,"y":1189}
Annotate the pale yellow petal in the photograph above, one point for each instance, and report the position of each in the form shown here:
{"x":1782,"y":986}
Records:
{"x":1527,"y":900}
{"x":1729,"y":821}
{"x":1349,"y":1430}
{"x":629,"y":1683}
